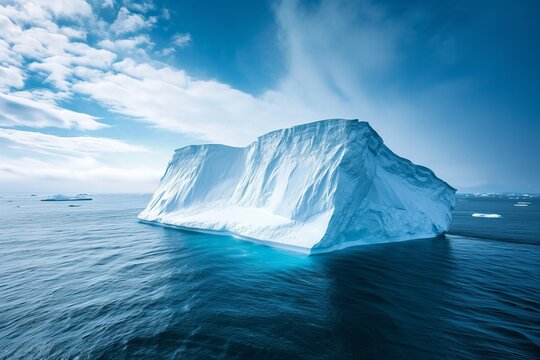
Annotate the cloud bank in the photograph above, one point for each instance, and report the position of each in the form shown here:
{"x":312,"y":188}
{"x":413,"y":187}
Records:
{"x":342,"y":58}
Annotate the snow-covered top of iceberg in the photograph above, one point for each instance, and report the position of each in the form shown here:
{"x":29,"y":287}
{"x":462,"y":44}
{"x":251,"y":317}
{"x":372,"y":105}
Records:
{"x":315,"y":187}
{"x":60,"y":197}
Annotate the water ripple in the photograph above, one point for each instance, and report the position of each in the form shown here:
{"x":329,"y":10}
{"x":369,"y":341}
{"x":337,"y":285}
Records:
{"x":93,"y":283}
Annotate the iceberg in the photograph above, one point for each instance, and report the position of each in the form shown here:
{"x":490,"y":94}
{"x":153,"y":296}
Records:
{"x":312,"y":188}
{"x":60,"y":197}
{"x":487,"y":216}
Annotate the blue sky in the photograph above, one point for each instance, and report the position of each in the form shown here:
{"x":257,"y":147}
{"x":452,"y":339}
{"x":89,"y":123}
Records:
{"x":96,"y":95}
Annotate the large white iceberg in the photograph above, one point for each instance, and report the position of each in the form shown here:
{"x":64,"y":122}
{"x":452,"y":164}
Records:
{"x":311,"y":188}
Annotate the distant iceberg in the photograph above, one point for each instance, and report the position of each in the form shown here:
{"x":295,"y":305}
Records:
{"x":312,"y":188}
{"x":489,"y":216}
{"x":60,"y":197}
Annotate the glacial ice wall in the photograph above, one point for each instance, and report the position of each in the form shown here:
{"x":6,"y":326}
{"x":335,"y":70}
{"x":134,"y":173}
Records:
{"x":311,"y":188}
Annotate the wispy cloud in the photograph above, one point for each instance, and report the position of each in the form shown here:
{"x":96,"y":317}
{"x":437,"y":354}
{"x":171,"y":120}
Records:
{"x":60,"y":8}
{"x":170,"y":99}
{"x":48,"y":51}
{"x":324,"y":78}
{"x":142,"y":6}
{"x":166,"y":14}
{"x":128,"y":44}
{"x":84,"y":173}
{"x":128,"y":22}
{"x":342,"y":59}
{"x":73,"y":145}
{"x":108,"y":3}
{"x":22,"y":111}
{"x":11,"y":77}
{"x":181,"y":40}
{"x":78,"y":163}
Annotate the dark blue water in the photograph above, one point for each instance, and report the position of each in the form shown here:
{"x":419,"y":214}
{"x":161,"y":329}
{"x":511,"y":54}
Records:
{"x":91,"y":282}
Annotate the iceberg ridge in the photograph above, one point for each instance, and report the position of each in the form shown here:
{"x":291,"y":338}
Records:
{"x":311,"y":188}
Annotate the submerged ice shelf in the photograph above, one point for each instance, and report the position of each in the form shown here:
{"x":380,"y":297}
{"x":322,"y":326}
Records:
{"x":311,"y":188}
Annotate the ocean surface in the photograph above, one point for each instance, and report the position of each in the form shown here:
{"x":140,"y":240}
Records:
{"x":91,"y":282}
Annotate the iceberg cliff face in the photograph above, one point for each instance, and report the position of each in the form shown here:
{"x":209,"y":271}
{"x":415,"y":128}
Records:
{"x":312,"y":188}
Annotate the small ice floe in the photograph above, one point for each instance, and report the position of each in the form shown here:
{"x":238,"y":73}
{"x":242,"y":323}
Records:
{"x":60,"y":197}
{"x":522,"y":203}
{"x":489,"y":216}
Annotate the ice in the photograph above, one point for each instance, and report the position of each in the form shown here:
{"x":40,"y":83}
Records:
{"x":60,"y":197}
{"x":311,"y":188}
{"x":489,"y":216}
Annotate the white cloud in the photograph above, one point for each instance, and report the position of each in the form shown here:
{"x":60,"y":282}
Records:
{"x":167,"y":51}
{"x":81,"y":174}
{"x":80,"y":163}
{"x":51,"y":51}
{"x":126,"y":44}
{"x":128,"y":22}
{"x":72,"y":33}
{"x":182,"y":40}
{"x":55,"y":72}
{"x":169,"y":99}
{"x":319,"y":83}
{"x":83,"y":72}
{"x":11,"y":77}
{"x":24,"y":13}
{"x":43,"y":12}
{"x":108,"y":3}
{"x":9,"y":57}
{"x":335,"y":73}
{"x":140,"y":5}
{"x":24,"y":111}
{"x":324,"y":78}
{"x":166,"y":14}
{"x":36,"y":141}
{"x":43,"y":95}
{"x":63,"y":8}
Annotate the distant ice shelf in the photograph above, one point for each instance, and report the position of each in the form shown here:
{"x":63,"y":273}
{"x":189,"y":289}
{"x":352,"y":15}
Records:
{"x":489,"y":216}
{"x":60,"y":197}
{"x":312,"y":188}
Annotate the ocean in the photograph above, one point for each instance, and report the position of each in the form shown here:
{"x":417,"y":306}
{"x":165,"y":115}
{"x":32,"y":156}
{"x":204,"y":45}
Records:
{"x":91,"y":282}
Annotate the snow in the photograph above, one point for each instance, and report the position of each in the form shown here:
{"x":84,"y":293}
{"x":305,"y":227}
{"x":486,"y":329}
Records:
{"x":489,"y":216}
{"x":60,"y":197}
{"x":311,"y":188}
